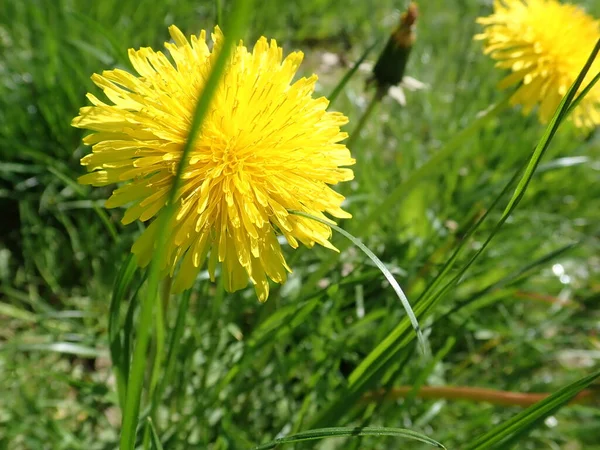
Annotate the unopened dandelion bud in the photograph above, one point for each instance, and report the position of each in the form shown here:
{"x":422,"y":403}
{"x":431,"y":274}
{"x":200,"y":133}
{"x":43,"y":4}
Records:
{"x":389,"y":69}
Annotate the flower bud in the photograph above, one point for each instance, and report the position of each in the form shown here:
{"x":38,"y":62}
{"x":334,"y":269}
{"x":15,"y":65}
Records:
{"x":389,"y":69}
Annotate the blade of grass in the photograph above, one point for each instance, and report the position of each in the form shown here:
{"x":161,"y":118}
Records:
{"x":540,"y":149}
{"x":136,"y":376}
{"x":583,"y":93}
{"x":513,"y":202}
{"x":384,"y":270}
{"x":323,"y":433}
{"x":174,"y":342}
{"x":540,"y":410}
{"x":154,"y":439}
{"x":559,"y":116}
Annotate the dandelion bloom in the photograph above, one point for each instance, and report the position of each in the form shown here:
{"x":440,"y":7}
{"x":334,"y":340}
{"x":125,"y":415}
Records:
{"x":265,"y":147}
{"x":545,"y":44}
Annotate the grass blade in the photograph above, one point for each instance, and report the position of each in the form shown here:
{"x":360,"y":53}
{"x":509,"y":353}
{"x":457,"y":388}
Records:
{"x":174,"y":342}
{"x":563,"y":109}
{"x":323,"y":433}
{"x":370,"y":368}
{"x":384,"y":270}
{"x":145,"y":320}
{"x":538,"y":411}
{"x":154,"y":439}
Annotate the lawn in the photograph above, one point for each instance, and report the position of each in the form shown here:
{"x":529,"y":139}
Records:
{"x":504,"y":277}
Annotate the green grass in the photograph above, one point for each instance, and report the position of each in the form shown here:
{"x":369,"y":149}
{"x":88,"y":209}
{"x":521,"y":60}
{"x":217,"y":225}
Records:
{"x":238,"y":374}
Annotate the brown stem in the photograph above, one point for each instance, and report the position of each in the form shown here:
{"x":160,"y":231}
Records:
{"x":496,"y":397}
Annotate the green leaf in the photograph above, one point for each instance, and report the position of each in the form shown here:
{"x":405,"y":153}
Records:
{"x":68,"y":348}
{"x":154,"y":439}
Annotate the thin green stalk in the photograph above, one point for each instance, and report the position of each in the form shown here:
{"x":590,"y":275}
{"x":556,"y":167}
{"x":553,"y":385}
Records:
{"x":220,"y":12}
{"x":160,"y":334}
{"x":364,"y":118}
{"x":145,"y":323}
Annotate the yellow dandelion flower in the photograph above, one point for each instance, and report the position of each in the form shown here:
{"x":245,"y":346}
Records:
{"x":545,"y":44}
{"x":266,"y":146}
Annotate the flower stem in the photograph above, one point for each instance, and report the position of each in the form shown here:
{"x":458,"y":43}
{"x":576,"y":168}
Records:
{"x":493,"y":396}
{"x":363,"y":119}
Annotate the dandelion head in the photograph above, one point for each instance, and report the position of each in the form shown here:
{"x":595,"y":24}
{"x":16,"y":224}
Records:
{"x":545,"y":44}
{"x":265,"y":147}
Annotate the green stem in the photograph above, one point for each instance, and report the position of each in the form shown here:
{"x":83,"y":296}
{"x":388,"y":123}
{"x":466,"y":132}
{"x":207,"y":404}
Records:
{"x":220,"y":12}
{"x":160,"y":339}
{"x":363,"y":120}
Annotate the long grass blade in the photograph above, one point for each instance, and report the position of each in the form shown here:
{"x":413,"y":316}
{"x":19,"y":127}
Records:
{"x":371,"y":367}
{"x":384,"y":270}
{"x":145,"y":320}
{"x":323,"y":433}
{"x":540,"y":410}
{"x":119,"y":356}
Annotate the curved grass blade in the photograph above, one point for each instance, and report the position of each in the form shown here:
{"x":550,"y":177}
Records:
{"x":323,"y":433}
{"x":384,"y":270}
{"x":542,"y":409}
{"x":240,"y":13}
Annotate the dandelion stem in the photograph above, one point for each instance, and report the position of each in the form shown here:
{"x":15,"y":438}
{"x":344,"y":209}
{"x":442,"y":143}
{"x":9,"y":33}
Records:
{"x":364,"y":118}
{"x":493,"y":396}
